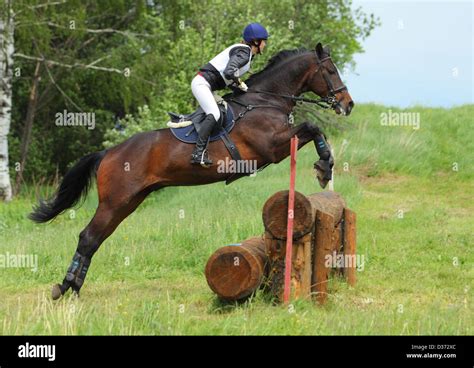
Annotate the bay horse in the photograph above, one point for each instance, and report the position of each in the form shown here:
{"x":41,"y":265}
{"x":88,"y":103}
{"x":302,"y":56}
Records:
{"x":127,"y":173}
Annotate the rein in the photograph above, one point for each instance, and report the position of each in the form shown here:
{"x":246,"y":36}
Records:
{"x":325,"y":102}
{"x":250,"y":107}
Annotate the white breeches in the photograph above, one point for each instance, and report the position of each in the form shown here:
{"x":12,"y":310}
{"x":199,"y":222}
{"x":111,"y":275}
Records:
{"x":203,"y":94}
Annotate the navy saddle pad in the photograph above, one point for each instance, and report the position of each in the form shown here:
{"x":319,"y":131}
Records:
{"x":189,"y":134}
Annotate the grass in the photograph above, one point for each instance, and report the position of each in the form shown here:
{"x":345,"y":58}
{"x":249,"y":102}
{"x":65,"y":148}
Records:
{"x":415,"y":227}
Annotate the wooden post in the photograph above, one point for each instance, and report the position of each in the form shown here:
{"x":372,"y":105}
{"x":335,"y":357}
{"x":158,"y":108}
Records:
{"x":291,"y":203}
{"x":338,"y":247}
{"x":322,"y":248}
{"x":301,"y":266}
{"x":350,"y":246}
{"x":306,"y":270}
{"x":275,"y":251}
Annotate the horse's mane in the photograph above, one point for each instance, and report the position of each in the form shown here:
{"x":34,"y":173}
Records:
{"x":274,"y":61}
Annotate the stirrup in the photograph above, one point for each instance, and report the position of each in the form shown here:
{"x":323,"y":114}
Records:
{"x":201,"y":159}
{"x":205,"y":161}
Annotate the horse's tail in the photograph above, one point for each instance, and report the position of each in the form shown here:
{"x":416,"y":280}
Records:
{"x":75,"y":184}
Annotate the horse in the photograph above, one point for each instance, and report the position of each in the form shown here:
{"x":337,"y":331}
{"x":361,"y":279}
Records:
{"x":128,"y":172}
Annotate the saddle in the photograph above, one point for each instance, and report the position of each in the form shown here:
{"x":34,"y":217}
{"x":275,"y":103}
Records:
{"x":186,"y":127}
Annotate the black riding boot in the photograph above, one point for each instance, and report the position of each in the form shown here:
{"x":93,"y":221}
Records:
{"x":199,"y":155}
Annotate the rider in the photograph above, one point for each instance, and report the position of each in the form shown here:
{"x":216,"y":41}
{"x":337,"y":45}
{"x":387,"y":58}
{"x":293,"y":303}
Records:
{"x":222,"y":71}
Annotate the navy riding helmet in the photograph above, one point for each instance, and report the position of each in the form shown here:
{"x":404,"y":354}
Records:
{"x":255,"y":31}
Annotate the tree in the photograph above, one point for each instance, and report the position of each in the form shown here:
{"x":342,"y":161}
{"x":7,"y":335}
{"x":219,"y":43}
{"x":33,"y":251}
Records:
{"x":79,"y":56}
{"x":6,"y":73}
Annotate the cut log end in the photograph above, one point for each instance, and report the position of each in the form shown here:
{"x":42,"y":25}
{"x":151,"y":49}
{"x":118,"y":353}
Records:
{"x":234,"y":272}
{"x":275,"y":215}
{"x":275,"y":212}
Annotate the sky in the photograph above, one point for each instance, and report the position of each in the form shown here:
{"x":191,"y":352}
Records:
{"x":422,"y":54}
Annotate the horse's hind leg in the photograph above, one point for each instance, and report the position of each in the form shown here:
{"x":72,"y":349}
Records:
{"x":102,"y":225}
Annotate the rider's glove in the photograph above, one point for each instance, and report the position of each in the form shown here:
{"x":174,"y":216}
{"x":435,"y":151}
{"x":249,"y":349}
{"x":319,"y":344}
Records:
{"x":242,"y":86}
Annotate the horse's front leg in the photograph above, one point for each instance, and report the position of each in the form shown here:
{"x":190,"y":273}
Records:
{"x":325,"y":164}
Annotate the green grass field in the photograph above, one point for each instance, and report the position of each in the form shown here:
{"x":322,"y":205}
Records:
{"x":413,"y":193}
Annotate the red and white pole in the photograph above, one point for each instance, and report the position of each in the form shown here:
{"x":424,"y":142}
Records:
{"x":289,"y":232}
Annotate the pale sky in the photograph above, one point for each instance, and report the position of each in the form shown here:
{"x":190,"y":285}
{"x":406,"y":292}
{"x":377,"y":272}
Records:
{"x":421,"y":54}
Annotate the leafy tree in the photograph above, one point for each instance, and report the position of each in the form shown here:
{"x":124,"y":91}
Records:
{"x":83,"y":56}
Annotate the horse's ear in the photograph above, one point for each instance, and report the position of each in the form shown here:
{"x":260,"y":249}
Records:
{"x":319,"y":49}
{"x":327,"y":51}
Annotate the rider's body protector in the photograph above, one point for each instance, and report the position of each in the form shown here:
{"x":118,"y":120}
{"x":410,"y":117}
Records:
{"x":226,"y":67}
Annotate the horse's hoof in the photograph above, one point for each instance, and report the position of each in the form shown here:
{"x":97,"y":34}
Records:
{"x":56,"y":292}
{"x":323,"y":172}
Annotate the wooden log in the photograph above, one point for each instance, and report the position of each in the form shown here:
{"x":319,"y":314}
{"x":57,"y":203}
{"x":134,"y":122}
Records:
{"x":236,"y":271}
{"x":275,"y":212}
{"x":350,"y":246}
{"x":322,"y":248}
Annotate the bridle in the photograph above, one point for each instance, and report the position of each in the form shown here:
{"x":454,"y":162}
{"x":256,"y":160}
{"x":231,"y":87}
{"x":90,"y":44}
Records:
{"x":332,"y":90}
{"x":327,"y":102}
